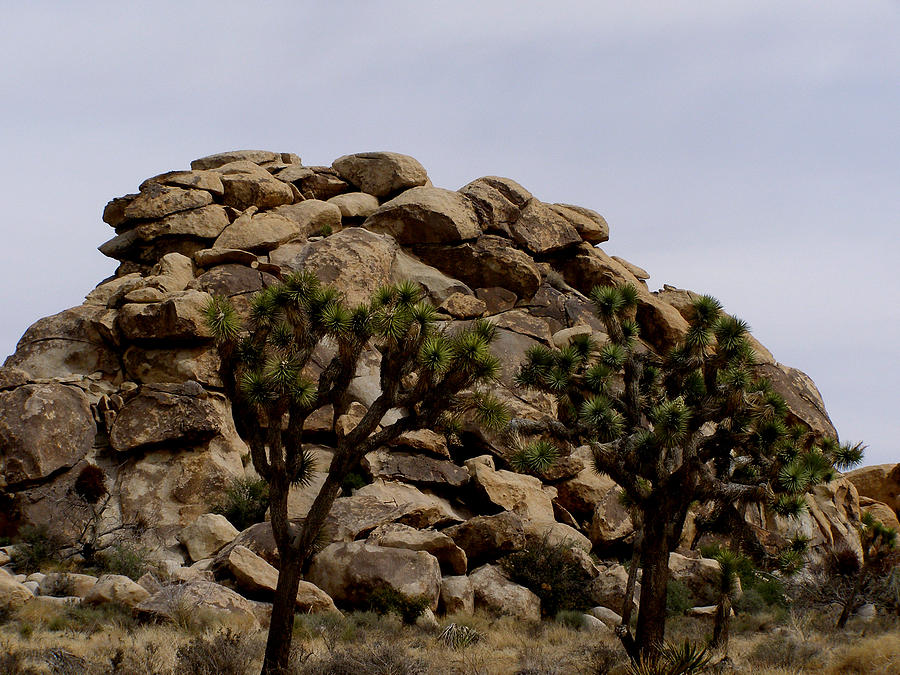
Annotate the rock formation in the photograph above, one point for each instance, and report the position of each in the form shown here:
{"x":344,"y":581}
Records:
{"x":128,"y":380}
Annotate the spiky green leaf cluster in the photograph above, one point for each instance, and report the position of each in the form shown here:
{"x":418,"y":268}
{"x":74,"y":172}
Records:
{"x":535,"y":457}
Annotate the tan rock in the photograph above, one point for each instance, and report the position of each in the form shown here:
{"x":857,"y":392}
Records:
{"x":13,"y":595}
{"x":206,"y":535}
{"x":457,"y":595}
{"x":418,"y":508}
{"x":423,"y":440}
{"x":117,"y":589}
{"x":415,"y":468}
{"x":246,"y":184}
{"x":312,"y":215}
{"x":206,"y":222}
{"x":463,"y":306}
{"x":43,"y":428}
{"x":496,"y":299}
{"x":158,"y":201}
{"x":497,"y":594}
{"x":322,"y":183}
{"x":609,"y":618}
{"x":201,"y":600}
{"x":436,"y":284}
{"x":608,"y":588}
{"x":700,"y":575}
{"x":170,"y":414}
{"x":354,"y":261}
{"x":590,"y":225}
{"x":426,"y":215}
{"x":395,"y":535}
{"x":258,"y":232}
{"x":506,"y":206}
{"x":880,"y":482}
{"x":158,"y":366}
{"x":76,"y":341}
{"x":523,"y":323}
{"x":210,"y":257}
{"x":804,"y":402}
{"x":350,"y":571}
{"x":355,"y":204}
{"x":638,"y":272}
{"x":223,"y":158}
{"x":181,"y":317}
{"x":231,"y":280}
{"x":67,"y":584}
{"x":488,"y":261}
{"x":200,"y":180}
{"x":881,"y":512}
{"x":380,"y":173}
{"x":489,"y":537}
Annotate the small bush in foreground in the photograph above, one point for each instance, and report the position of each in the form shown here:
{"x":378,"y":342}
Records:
{"x":571,"y":618}
{"x":782,"y":651}
{"x":387,"y":600}
{"x":458,"y":636}
{"x":218,"y":654}
{"x":678,"y":598}
{"x":244,"y":502}
{"x":128,"y":560}
{"x":376,"y":659}
{"x":35,"y":547}
{"x":551,"y":572}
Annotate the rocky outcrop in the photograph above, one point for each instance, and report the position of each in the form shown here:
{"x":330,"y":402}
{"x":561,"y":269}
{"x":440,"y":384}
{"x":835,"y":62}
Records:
{"x":199,"y":601}
{"x":116,"y":589}
{"x":880,"y":483}
{"x":129,"y":381}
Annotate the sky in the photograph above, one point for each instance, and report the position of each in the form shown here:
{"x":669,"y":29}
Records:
{"x":748,"y":149}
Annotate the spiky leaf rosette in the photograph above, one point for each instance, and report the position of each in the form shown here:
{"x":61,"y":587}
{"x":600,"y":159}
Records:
{"x":534,"y":457}
{"x":222,"y":319}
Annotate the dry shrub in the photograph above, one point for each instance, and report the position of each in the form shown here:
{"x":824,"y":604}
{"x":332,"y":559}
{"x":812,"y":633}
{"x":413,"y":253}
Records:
{"x":783,"y":651}
{"x":879,"y":654}
{"x":378,"y":658}
{"x":225,"y":653}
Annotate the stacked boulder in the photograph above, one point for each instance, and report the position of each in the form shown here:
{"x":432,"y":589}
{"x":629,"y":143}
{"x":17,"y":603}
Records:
{"x":129,"y":380}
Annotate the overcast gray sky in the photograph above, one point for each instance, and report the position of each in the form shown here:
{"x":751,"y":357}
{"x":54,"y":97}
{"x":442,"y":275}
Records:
{"x":749,"y":148}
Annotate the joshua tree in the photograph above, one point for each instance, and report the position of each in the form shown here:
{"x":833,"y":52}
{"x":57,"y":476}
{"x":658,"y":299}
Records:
{"x":689,"y":426}
{"x":877,"y":541}
{"x":731,"y":564}
{"x":430,"y":375}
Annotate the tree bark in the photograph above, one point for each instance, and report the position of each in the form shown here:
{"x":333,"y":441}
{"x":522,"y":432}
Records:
{"x":848,"y":605}
{"x":651,"y":625}
{"x":281,"y":629}
{"x":720,"y":631}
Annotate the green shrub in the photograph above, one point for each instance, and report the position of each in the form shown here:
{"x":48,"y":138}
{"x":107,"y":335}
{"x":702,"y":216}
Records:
{"x":127,"y":559}
{"x":570,"y":618}
{"x":35,"y":547}
{"x":244,"y":502}
{"x":353,"y":481}
{"x":551,"y":572}
{"x":678,"y":598}
{"x":386,"y":600}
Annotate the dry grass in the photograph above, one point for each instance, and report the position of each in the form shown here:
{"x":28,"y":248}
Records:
{"x":36,"y":640}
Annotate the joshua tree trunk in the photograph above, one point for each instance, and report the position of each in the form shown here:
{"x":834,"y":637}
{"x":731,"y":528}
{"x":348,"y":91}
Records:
{"x":651,"y":625}
{"x":623,"y":631}
{"x":848,"y":605}
{"x":278,"y":645}
{"x":720,"y":631}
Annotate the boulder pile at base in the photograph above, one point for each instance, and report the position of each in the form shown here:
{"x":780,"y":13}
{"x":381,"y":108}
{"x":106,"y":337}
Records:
{"x":128,"y":381}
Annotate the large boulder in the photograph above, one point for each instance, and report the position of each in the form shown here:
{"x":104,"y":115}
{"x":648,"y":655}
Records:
{"x":381,"y":173}
{"x":223,"y":158}
{"x":116,"y":589}
{"x":590,"y":225}
{"x":608,"y":588}
{"x":164,"y":414}
{"x":258,"y":232}
{"x":207,"y":222}
{"x":354,"y":261}
{"x":415,"y":468}
{"x":43,"y":428}
{"x":206,"y":535}
{"x":804,"y":402}
{"x":426,"y":215}
{"x":245,"y":184}
{"x":489,"y":537}
{"x":177,"y":364}
{"x":497,"y":594}
{"x":437,"y":285}
{"x":396,"y":535}
{"x":507,"y":207}
{"x":66,"y":584}
{"x":200,"y":180}
{"x":13,"y":595}
{"x":180,"y":318}
{"x":880,"y":482}
{"x":254,"y":575}
{"x":350,"y":571}
{"x":314,"y":215}
{"x":76,"y":341}
{"x":488,"y":261}
{"x":457,"y":595}
{"x":157,"y":201}
{"x":201,"y":600}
